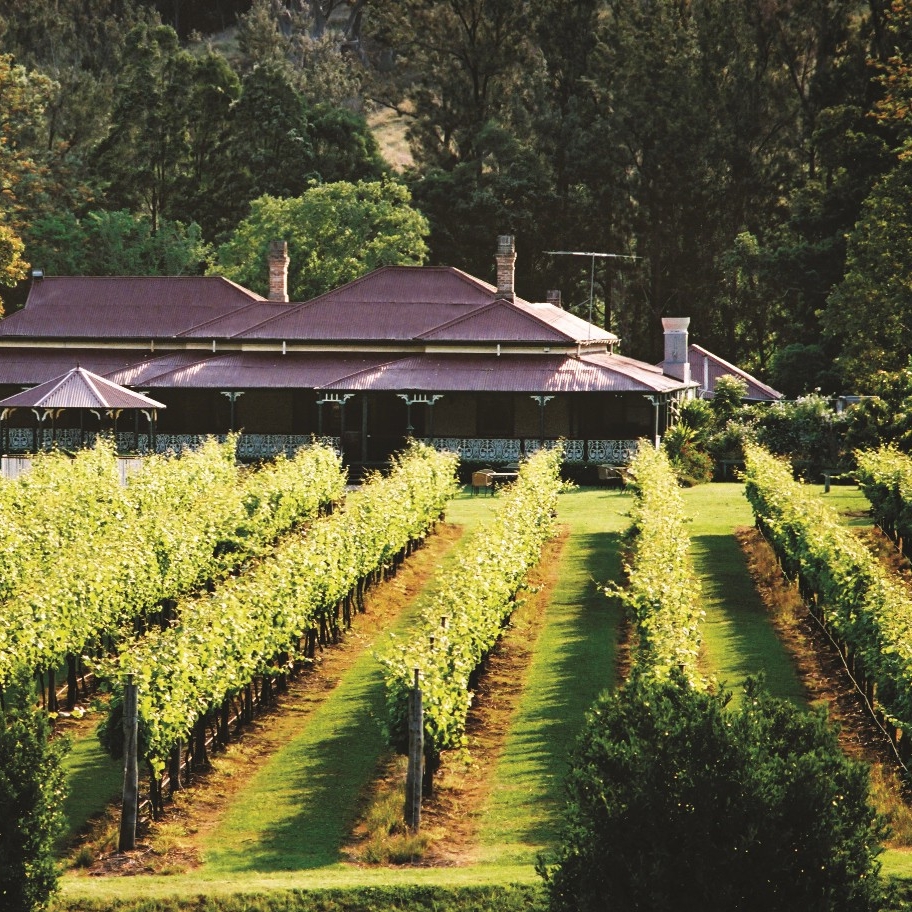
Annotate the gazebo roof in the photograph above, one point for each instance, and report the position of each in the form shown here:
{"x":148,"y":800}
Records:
{"x":79,"y":388}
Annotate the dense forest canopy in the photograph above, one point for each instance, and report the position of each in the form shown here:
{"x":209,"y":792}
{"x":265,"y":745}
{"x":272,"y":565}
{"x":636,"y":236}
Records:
{"x":753,"y":156}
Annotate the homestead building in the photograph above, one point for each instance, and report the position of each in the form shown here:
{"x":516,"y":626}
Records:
{"x":404,"y":351}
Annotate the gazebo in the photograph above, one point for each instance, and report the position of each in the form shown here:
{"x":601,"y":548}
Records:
{"x":71,"y":410}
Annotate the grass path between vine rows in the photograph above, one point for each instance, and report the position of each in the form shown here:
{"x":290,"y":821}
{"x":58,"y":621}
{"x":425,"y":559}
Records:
{"x":574,"y":660}
{"x":298,"y":809}
{"x":738,"y":639}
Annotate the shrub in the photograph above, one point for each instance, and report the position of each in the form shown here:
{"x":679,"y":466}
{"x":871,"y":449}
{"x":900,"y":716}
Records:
{"x":31,"y":799}
{"x":677,"y":799}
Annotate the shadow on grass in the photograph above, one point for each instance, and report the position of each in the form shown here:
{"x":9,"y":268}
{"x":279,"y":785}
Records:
{"x":575,"y":661}
{"x":93,"y":780}
{"x":740,"y":640}
{"x":323,"y":777}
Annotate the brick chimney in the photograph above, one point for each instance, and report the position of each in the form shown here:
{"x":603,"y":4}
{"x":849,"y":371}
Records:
{"x":278,"y":271}
{"x":506,"y":261}
{"x":677,"y":362}
{"x":553,"y":297}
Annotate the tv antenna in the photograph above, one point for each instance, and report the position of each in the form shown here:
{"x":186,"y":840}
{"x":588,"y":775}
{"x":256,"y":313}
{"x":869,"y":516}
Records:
{"x":593,"y":255}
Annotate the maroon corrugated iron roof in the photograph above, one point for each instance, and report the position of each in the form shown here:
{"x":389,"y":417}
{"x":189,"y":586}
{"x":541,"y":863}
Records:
{"x":706,"y":368}
{"x":147,"y":307}
{"x":392,"y":303}
{"x":247,"y":370}
{"x":501,"y":321}
{"x":79,"y":388}
{"x":402,"y":303}
{"x":509,"y":373}
{"x":31,"y":366}
{"x":568,"y":324}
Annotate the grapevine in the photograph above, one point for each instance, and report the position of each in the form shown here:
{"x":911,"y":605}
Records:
{"x":476,"y":598}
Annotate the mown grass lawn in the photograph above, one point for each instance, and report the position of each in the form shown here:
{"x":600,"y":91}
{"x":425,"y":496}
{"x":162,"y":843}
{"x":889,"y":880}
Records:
{"x":738,"y":640}
{"x":285,"y":830}
{"x":574,"y":661}
{"x":93,"y":779}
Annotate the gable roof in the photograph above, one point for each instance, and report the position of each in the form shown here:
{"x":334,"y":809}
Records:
{"x":391,"y":303}
{"x":145,"y":307}
{"x":79,"y":388}
{"x":407,"y":303}
{"x":706,"y":368}
{"x":498,"y":321}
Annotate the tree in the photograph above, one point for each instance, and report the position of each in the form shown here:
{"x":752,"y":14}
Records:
{"x":868,"y":313}
{"x":675,"y":793}
{"x":798,"y":369}
{"x":31,"y":798}
{"x":24,"y":174}
{"x":335,"y":233}
{"x":116,"y":243}
{"x":458,"y":66}
{"x":146,"y":152}
{"x":12,"y":266}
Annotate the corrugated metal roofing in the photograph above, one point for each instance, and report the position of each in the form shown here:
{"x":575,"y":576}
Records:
{"x":508,"y":373}
{"x":706,"y":368}
{"x":247,"y":370}
{"x":362,"y":321}
{"x":31,"y":366}
{"x":392,"y":303}
{"x":147,"y":307}
{"x":567,"y":323}
{"x":441,"y":304}
{"x":499,"y":321}
{"x":80,"y":388}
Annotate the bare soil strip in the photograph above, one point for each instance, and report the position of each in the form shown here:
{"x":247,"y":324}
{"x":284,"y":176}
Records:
{"x":174,"y":842}
{"x":465,"y":781}
{"x":825,"y":680}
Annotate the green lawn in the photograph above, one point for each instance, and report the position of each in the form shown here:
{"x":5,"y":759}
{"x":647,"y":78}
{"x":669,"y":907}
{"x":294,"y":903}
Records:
{"x":93,"y":780}
{"x":574,"y":661}
{"x":738,"y":640}
{"x":286,"y":829}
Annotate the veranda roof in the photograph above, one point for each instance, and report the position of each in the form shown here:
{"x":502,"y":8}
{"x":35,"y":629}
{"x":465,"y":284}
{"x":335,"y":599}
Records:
{"x":79,"y":388}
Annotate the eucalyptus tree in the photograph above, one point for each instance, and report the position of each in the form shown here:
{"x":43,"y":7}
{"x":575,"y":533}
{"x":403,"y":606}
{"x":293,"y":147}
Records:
{"x":146,"y":152}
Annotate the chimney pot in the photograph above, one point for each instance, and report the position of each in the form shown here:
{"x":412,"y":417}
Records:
{"x":278,"y":271}
{"x":506,"y":262}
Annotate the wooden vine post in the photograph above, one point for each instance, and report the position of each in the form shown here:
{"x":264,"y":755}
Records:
{"x":415,"y":774}
{"x":130,"y":809}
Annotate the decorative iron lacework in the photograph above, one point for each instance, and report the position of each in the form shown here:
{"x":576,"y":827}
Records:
{"x":500,"y":450}
{"x":482,"y":449}
{"x":250,"y":446}
{"x":616,"y":452}
{"x":574,"y":450}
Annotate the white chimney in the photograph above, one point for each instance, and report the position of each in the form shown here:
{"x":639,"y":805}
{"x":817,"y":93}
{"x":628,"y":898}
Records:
{"x":506,"y":261}
{"x":677,"y":362}
{"x":278,"y":271}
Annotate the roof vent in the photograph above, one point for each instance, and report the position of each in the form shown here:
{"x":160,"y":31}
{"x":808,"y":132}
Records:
{"x":278,"y":271}
{"x":37,"y":275}
{"x":553,"y":297}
